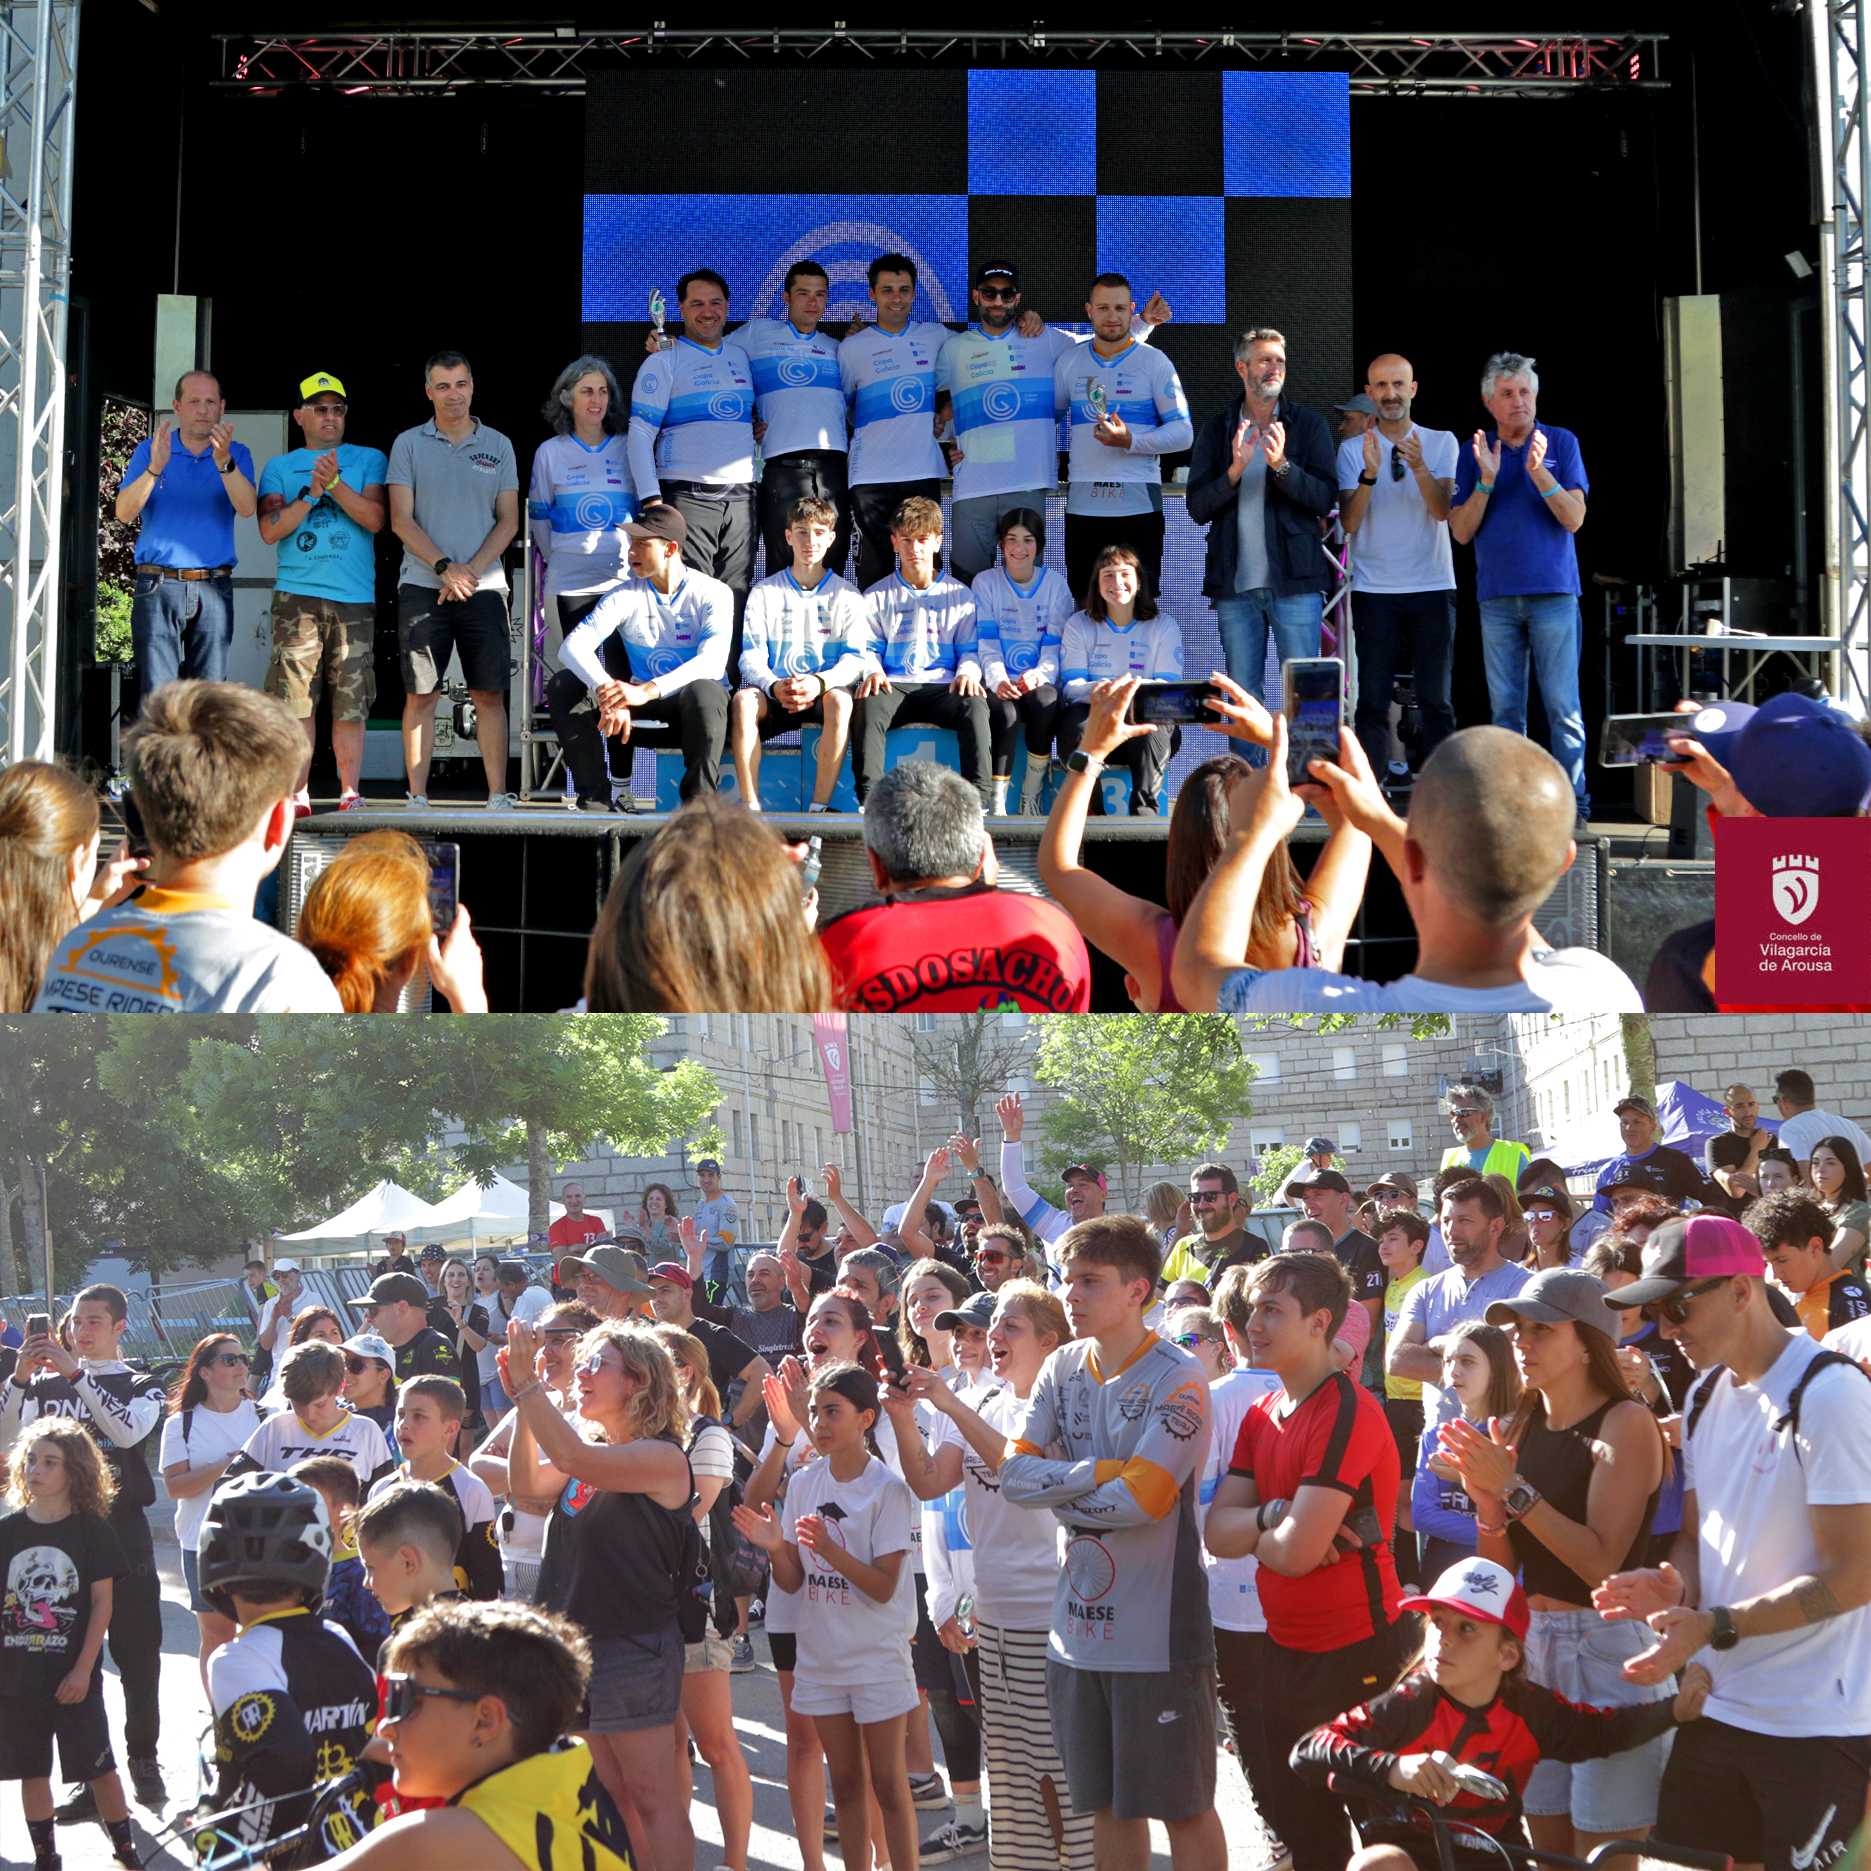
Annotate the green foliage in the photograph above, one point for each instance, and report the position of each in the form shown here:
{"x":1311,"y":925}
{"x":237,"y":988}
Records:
{"x":113,"y":624}
{"x":1136,"y":1089}
{"x":1419,"y":1025}
{"x":1275,"y":1166}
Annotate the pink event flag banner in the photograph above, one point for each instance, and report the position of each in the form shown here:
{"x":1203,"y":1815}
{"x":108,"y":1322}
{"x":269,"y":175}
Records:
{"x":833,"y":1039}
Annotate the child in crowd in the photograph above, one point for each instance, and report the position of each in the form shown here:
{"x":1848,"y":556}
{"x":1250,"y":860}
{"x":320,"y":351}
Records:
{"x":429,"y":1414}
{"x":292,"y":1699}
{"x":407,"y":1536}
{"x":1402,"y":1239}
{"x":316,"y":1421}
{"x":60,"y":1560}
{"x":1466,"y":1697}
{"x":843,"y":1547}
{"x":1478,"y":1371}
{"x":348,"y":1602}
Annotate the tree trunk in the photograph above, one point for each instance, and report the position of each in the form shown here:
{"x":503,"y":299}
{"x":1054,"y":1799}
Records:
{"x":538,"y":1185}
{"x":1640,"y":1054}
{"x":32,"y":1225}
{"x":9,"y":1267}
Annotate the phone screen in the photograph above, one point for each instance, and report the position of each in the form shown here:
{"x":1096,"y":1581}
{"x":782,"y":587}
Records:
{"x":38,"y":1325}
{"x":1173,"y":704}
{"x":1315,"y":711}
{"x":1639,"y":740}
{"x":444,"y":883}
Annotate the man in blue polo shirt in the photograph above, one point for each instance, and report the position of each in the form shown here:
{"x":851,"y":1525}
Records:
{"x":185,"y":484}
{"x":1520,"y":496}
{"x":323,"y":506}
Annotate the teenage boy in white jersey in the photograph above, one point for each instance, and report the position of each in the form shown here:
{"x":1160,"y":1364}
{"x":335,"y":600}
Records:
{"x":1021,"y":607}
{"x":1113,"y":1437}
{"x":692,"y":436}
{"x":889,"y":375}
{"x":919,"y":645}
{"x":799,"y":655}
{"x":658,"y":646}
{"x":1127,"y":410}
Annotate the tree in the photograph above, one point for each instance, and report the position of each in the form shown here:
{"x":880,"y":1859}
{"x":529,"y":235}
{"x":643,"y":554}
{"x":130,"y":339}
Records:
{"x":1275,"y":1166}
{"x":971,"y":1058}
{"x":1136,"y":1089}
{"x":1420,"y":1025}
{"x":123,"y":426}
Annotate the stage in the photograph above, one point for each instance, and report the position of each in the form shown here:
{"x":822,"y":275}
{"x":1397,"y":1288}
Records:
{"x":533,"y":879}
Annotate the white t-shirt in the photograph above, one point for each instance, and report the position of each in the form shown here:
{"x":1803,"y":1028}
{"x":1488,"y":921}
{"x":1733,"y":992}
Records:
{"x":1568,"y":980}
{"x":845,"y":1635}
{"x":1399,"y":547}
{"x":1752,"y":1492}
{"x":1800,"y":1132}
{"x":282,"y":1440}
{"x":211,"y":1435}
{"x":1018,"y":1549}
{"x":1233,"y":1584}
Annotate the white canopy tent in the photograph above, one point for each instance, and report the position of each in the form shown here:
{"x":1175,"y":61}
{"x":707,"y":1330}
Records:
{"x":388,"y":1208}
{"x":498,"y":1212}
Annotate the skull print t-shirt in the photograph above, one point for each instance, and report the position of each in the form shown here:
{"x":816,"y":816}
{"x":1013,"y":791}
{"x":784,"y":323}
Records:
{"x":50,"y":1568}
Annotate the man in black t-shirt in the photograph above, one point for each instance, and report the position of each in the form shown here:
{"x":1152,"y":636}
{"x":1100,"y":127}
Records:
{"x":397,"y":1309}
{"x":1651,"y":1167}
{"x":1222,"y":1239}
{"x":767,"y":1323}
{"x":731,"y":1359}
{"x":1326,"y":1196}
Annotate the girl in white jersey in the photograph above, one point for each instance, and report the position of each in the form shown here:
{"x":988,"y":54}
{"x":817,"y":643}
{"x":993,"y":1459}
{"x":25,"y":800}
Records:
{"x":1020,"y":611}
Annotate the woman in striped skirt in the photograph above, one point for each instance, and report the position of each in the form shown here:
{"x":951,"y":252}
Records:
{"x":1031,"y":1824}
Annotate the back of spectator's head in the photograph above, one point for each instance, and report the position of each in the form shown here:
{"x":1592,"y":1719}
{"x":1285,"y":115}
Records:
{"x":334,"y":1477}
{"x":1613,"y":1253}
{"x":707,"y":915}
{"x":1795,"y":1086}
{"x":923,"y":821}
{"x":1789,"y":1219}
{"x":48,"y":849}
{"x":366,"y":917}
{"x":1492,"y":814}
{"x":1446,"y":1179}
{"x":310,"y":1371}
{"x":1198,"y":829}
{"x":412,"y":1513}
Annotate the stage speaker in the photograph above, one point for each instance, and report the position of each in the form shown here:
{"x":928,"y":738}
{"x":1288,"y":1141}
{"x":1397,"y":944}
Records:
{"x":1574,"y":915}
{"x":1652,"y":898}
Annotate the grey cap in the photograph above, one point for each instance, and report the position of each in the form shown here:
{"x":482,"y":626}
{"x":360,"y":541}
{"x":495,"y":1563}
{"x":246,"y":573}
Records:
{"x":1632,"y":1102}
{"x":1558,"y":1296}
{"x":615,"y":1266}
{"x":1359,"y":405}
{"x":976,"y":1309}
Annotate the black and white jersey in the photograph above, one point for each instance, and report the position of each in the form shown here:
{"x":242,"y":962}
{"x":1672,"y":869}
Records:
{"x":117,"y":1403}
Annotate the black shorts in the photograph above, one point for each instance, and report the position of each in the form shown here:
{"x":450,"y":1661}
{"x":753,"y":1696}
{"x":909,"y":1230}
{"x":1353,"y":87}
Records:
{"x":777,"y":720}
{"x":784,"y":1648}
{"x":475,"y":629}
{"x":28,"y":1727}
{"x":1764,"y":1799}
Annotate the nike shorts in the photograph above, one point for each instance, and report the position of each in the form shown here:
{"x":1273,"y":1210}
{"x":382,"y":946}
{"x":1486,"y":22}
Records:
{"x":1792,"y":1800}
{"x":1141,"y":1743}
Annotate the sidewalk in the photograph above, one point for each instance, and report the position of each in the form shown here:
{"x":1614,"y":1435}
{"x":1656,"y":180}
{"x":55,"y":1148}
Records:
{"x":757,"y":1712}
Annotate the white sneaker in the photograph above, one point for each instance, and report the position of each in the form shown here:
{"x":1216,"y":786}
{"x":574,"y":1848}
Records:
{"x":415,"y":802}
{"x":960,"y":1838}
{"x":819,"y":805}
{"x":502,"y":802}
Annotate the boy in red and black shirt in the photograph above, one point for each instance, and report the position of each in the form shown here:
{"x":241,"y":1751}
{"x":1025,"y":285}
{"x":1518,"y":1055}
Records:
{"x":1311,"y":1493}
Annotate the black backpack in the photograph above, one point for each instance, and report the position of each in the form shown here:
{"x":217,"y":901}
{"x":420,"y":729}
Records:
{"x":1790,"y":1418}
{"x":737,"y":1567}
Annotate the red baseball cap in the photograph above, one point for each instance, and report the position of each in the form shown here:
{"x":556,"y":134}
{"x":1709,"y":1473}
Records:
{"x":672,"y":1270}
{"x":1478,"y":1588}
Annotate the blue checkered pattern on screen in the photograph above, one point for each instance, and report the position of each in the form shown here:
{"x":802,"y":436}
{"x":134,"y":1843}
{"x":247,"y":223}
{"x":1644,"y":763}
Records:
{"x":1032,"y":133}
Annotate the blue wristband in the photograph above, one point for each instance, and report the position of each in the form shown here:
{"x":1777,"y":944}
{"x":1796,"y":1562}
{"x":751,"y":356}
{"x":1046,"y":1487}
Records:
{"x":1484,"y":487}
{"x":1552,"y":491}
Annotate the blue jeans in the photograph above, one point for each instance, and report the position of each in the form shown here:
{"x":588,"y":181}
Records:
{"x":1547,"y":628}
{"x":180,"y":627}
{"x":1244,"y":620}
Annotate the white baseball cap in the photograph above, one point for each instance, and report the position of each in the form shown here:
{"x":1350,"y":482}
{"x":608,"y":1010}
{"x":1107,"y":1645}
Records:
{"x":286,"y":1266}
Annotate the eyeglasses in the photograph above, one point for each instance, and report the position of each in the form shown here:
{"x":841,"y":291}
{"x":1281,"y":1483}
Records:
{"x":1675,"y":1309}
{"x":403,"y":1695}
{"x":231,"y":1357}
{"x":1464,"y":1110}
{"x":590,"y":1366}
{"x":998,"y":292}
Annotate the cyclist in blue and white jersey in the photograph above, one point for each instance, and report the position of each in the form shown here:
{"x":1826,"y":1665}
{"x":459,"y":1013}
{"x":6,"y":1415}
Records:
{"x":692,"y":436}
{"x":581,"y":493}
{"x":1020,"y":608}
{"x":994,"y":380}
{"x":889,"y":375}
{"x":1120,"y":632}
{"x":801,"y":652}
{"x":1127,"y":410}
{"x":656,"y":644}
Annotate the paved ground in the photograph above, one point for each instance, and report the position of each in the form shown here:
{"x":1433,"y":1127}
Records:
{"x":758,"y":1716}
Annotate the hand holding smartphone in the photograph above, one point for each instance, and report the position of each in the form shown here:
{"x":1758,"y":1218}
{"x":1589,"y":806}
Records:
{"x":1314,"y":703}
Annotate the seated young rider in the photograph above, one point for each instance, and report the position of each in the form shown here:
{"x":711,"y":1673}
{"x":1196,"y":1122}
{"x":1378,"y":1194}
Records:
{"x":1466,"y":1700}
{"x":479,"y":1696}
{"x":292,"y":1698}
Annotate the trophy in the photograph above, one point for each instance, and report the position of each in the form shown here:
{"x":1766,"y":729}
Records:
{"x":658,"y":306}
{"x":1094,"y":396}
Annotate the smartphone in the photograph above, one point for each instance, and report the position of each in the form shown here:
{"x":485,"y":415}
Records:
{"x":892,"y":1356}
{"x":1640,"y":740}
{"x":38,"y":1325}
{"x":1315,"y":711}
{"x":1173,"y":704}
{"x":444,"y":883}
{"x":809,"y":869}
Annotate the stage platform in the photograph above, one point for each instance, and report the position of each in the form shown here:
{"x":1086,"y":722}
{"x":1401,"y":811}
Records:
{"x":534,"y":877}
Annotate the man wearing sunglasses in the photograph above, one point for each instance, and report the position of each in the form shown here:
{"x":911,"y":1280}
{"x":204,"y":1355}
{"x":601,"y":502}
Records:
{"x":1476,"y":1148}
{"x":1222,"y":1239}
{"x":1770,"y":1575}
{"x":397,"y":1308}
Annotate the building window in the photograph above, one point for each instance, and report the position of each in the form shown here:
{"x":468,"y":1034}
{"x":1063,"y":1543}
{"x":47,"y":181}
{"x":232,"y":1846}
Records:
{"x":734,"y":1131}
{"x":1266,"y":1066}
{"x":926,"y":1023}
{"x":1349,"y":1137}
{"x":1266,"y":1139}
{"x":786,"y":1140}
{"x":1396,"y":1059}
{"x":753,"y":1131}
{"x":1400,"y":1137}
{"x":1344,"y":1062}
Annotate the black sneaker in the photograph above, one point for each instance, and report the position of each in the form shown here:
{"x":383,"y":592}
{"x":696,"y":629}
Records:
{"x":80,"y":1805}
{"x":146,"y":1779}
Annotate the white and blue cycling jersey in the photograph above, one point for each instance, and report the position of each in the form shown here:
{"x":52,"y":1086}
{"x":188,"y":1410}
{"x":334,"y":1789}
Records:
{"x":890,"y":379}
{"x":1019,"y":627}
{"x":789,"y":631}
{"x":799,"y":392}
{"x":920,"y":636}
{"x":692,"y":417}
{"x":1141,"y":385}
{"x":576,"y":507}
{"x":1000,"y":390}
{"x":1096,"y":652}
{"x":672,"y":639}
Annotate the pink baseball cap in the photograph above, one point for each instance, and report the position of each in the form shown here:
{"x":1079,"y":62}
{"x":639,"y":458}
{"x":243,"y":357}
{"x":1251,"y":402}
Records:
{"x":1689,"y":1248}
{"x":1478,"y":1588}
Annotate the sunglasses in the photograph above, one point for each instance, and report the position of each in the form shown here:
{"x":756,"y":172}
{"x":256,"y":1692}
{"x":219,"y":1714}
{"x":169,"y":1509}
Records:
{"x":1541,"y":1214}
{"x":1675,"y":1309}
{"x":591,"y":1365}
{"x":1189,"y":1340}
{"x":355,"y":1365}
{"x":230,"y":1357}
{"x":1398,"y":466}
{"x":403,"y":1695}
{"x":998,"y":292}
{"x":992,"y":1253}
{"x":1200,"y":1198}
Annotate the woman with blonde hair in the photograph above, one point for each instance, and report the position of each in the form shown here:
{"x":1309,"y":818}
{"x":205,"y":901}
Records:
{"x":1166,"y":1209}
{"x":613,"y":1550}
{"x":366,"y":920}
{"x":708,"y":916}
{"x":50,"y":880}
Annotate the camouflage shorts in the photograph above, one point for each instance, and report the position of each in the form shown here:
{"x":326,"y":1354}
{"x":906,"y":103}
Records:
{"x":318,"y":641}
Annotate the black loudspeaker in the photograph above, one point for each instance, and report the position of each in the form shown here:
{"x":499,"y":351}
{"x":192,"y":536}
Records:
{"x":1650,"y":899}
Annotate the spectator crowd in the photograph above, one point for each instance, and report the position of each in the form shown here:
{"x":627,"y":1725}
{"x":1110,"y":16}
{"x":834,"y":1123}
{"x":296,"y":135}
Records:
{"x":1531,"y":1506}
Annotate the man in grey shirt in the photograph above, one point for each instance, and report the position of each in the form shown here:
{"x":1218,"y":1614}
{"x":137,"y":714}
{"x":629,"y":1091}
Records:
{"x":455,"y":504}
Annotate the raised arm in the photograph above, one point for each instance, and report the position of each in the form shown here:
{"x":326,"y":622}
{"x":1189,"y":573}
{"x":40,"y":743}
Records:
{"x":862,"y":1233}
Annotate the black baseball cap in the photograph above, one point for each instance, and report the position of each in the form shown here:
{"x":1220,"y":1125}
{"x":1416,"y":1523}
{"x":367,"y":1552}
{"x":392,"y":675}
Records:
{"x":1322,"y":1179}
{"x":387,"y":1288}
{"x":998,"y":269}
{"x":661,"y":521}
{"x":976,"y":1309}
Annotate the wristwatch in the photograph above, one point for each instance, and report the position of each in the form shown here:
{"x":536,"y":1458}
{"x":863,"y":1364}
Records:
{"x":1520,"y":1499}
{"x":1079,"y":761}
{"x":1724,"y":1636}
{"x":227,"y":466}
{"x":441,"y":565}
{"x":1367,"y":480}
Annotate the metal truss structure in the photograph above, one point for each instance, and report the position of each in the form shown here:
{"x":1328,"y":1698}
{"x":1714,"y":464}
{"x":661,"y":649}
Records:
{"x":38,"y":78}
{"x":1842,"y":182}
{"x":559,"y":59}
